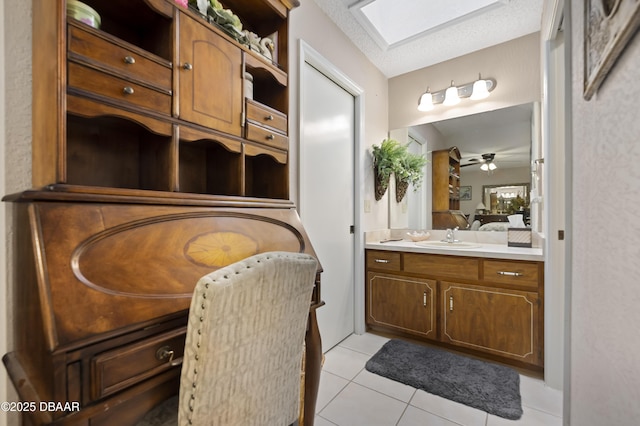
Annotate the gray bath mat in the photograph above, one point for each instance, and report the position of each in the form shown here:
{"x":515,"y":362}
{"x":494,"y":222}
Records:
{"x":489,"y":387}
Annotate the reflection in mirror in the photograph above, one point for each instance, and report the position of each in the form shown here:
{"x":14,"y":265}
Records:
{"x":507,"y":133}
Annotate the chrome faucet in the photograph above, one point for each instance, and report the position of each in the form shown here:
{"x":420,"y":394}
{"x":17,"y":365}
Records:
{"x":451,"y":236}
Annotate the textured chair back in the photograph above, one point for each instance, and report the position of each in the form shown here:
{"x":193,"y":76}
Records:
{"x":244,"y":344}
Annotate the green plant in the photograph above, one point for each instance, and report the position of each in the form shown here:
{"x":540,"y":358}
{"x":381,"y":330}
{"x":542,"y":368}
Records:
{"x":411,"y":169}
{"x":387,"y":158}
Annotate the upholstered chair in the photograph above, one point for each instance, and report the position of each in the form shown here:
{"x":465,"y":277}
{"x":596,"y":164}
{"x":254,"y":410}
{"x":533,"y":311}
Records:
{"x":244,"y":345}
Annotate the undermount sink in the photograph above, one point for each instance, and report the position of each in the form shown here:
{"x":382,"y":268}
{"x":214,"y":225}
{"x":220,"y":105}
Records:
{"x":461,"y":245}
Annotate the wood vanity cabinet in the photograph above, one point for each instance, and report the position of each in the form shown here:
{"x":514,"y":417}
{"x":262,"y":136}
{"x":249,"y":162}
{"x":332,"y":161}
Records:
{"x":150,"y":170}
{"x":490,"y":307}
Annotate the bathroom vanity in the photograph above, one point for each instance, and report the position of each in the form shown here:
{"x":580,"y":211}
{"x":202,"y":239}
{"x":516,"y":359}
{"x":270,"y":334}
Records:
{"x":485,"y":299}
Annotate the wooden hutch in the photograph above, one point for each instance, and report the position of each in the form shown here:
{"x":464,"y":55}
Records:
{"x":151,"y":168}
{"x":445,"y":189}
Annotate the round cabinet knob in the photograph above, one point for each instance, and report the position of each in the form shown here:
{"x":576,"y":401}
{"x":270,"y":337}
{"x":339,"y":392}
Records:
{"x":129,"y":60}
{"x":269,"y":117}
{"x":270,"y":137}
{"x":128,"y":90}
{"x":187,"y":66}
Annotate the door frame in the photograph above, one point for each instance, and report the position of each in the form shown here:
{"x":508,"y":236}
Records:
{"x":309,"y":55}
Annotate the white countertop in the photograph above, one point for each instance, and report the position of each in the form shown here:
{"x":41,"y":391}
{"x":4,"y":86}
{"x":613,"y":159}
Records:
{"x":496,"y":251}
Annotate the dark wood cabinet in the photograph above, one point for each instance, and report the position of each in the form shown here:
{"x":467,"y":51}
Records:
{"x":491,"y":307}
{"x":209,"y":74}
{"x":403,"y":303}
{"x":445,"y":189}
{"x":150,"y":169}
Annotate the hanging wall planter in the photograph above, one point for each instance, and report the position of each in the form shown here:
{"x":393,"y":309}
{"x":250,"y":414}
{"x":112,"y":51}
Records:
{"x":401,"y":189}
{"x":386,"y":159}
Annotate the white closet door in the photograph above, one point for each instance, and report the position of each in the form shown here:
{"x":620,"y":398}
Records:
{"x":327,"y":196}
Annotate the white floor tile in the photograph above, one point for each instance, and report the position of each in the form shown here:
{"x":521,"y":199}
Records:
{"x":456,"y":412}
{"x":344,"y":362}
{"x":356,"y":405}
{"x":416,"y":417}
{"x":530,"y":417}
{"x":536,"y":394}
{"x":386,"y":386}
{"x":351,"y":396}
{"x":319,"y":421}
{"x":366,"y":343}
{"x":330,"y":386}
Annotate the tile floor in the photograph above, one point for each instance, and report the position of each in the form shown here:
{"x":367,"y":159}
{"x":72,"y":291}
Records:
{"x":351,"y":396}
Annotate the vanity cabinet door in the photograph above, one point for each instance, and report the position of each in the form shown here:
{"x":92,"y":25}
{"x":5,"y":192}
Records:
{"x":402,"y":303}
{"x":493,"y":320}
{"x":209,"y":78}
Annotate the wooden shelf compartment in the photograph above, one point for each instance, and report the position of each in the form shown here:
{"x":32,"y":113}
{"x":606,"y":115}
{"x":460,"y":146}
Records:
{"x":208,"y":167}
{"x":265,"y":177}
{"x":114,"y":152}
{"x":136,"y":22}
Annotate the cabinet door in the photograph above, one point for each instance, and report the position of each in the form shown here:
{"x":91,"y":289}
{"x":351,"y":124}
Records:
{"x":497,"y":321}
{"x":209,"y":74}
{"x":402,"y":303}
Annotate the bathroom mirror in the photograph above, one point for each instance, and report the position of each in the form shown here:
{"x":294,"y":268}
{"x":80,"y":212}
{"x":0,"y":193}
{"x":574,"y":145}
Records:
{"x":508,"y":133}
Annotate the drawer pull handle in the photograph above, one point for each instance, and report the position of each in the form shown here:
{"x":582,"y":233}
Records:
{"x":270,"y":137}
{"x":187,"y":66}
{"x":164,"y":353}
{"x":128,"y":90}
{"x":450,"y":303}
{"x":129,"y":60}
{"x":269,"y":117}
{"x":382,"y":261}
{"x":510,"y":274}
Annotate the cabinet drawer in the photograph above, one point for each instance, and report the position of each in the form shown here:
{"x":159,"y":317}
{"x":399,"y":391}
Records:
{"x":384,"y":260}
{"x":266,"y":116}
{"x":442,"y":266}
{"x":119,"y":58}
{"x":509,"y":272}
{"x":267,"y":137}
{"x":124,"y":366}
{"x":106,"y":85}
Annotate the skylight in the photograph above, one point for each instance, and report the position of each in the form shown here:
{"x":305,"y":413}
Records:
{"x":392,"y":22}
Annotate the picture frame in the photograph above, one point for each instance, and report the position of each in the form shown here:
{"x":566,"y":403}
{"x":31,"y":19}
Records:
{"x":608,"y":26}
{"x":465,"y":193}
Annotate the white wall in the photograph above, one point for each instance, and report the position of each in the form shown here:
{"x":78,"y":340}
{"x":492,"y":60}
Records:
{"x":16,"y":58}
{"x":309,"y":23}
{"x":605,"y":294}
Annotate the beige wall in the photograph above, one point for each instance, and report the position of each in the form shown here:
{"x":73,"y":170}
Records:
{"x":16,"y":30}
{"x":309,"y":23}
{"x":604,"y":345}
{"x":515,"y":65}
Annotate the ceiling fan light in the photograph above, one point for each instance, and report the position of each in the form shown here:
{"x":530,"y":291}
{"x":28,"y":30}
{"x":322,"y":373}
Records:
{"x":479,"y":90}
{"x":484,"y":167}
{"x":492,"y":166}
{"x":426,"y":102}
{"x":451,"y":96}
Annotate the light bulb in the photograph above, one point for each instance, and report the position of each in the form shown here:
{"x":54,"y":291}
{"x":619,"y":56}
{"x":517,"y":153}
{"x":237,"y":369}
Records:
{"x":451,"y":95}
{"x":479,"y":90}
{"x":426,"y":102}
{"x":484,"y":167}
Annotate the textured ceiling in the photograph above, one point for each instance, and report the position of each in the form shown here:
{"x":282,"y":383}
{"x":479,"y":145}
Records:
{"x":512,"y":19}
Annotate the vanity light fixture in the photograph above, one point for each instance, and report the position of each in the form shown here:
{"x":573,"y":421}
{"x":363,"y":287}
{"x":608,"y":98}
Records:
{"x":478,"y":89}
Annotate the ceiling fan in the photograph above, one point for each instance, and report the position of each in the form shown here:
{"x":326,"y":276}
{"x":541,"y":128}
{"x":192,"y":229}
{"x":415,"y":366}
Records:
{"x":486,"y":163}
